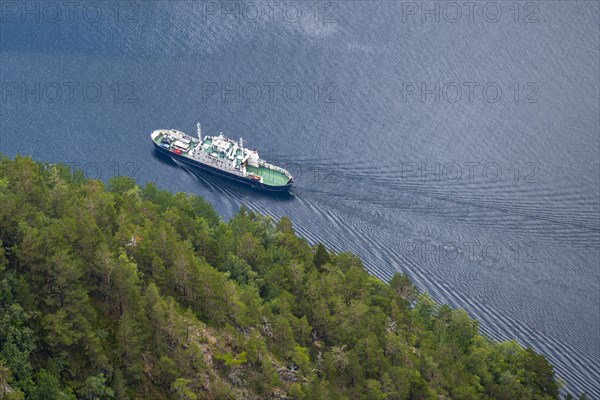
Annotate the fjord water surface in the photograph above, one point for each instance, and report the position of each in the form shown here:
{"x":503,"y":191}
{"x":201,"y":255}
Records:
{"x":461,"y":148}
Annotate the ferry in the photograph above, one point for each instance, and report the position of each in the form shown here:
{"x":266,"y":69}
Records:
{"x":222,"y":156}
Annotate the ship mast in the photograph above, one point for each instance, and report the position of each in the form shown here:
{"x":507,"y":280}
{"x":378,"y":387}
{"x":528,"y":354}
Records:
{"x":241,"y":142}
{"x":199,"y":130}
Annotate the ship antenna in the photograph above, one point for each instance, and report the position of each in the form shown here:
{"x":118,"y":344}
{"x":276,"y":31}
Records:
{"x":199,"y":128}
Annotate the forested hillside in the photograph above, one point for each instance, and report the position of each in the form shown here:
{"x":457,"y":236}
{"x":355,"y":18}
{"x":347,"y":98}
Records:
{"x":124,"y":292}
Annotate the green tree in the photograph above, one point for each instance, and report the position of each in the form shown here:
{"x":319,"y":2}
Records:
{"x":183,"y":392}
{"x":321,"y":256}
{"x":540,"y":374}
{"x":48,"y":387}
{"x":94,"y":388}
{"x":301,"y":358}
{"x":120,"y":184}
{"x":403,"y":287}
{"x":17,"y":342}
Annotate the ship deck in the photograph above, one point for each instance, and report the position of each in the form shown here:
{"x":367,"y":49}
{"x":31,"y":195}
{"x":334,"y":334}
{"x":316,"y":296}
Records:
{"x":270,"y":177}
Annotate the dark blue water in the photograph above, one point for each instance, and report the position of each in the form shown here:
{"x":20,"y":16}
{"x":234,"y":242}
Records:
{"x":458,"y":145}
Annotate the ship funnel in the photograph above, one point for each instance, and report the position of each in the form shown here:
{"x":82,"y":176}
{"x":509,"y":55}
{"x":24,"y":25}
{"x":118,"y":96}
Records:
{"x":199,"y":130}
